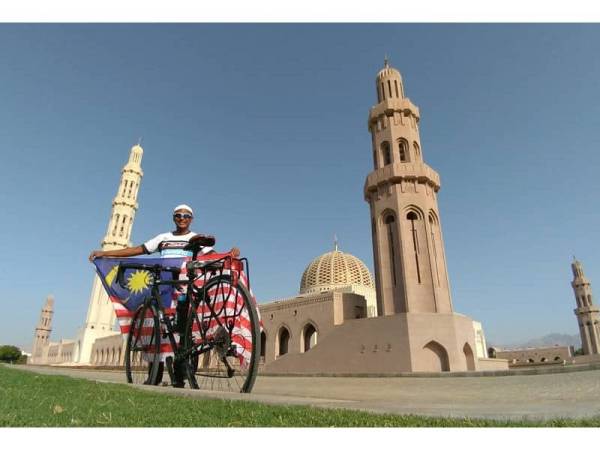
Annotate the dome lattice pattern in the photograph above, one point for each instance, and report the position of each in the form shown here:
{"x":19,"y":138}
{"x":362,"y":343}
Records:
{"x":334,"y":269}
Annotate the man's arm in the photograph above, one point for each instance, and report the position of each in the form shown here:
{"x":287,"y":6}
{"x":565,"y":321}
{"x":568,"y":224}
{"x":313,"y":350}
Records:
{"x":124,"y":252}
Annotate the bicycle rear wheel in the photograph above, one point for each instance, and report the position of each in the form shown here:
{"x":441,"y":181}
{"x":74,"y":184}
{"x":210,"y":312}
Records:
{"x":142,"y":351}
{"x":224,"y":330}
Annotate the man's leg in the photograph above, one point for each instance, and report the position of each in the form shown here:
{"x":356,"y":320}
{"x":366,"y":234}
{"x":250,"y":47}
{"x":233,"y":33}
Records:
{"x":179,"y":366}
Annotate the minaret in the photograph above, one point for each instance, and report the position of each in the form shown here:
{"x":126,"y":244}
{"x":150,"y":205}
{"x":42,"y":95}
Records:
{"x":101,"y":317}
{"x":125,"y":205}
{"x":42,"y":331}
{"x":409,"y":258}
{"x":587,"y":313}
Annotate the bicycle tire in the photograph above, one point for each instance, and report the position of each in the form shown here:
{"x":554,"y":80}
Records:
{"x":240,"y":348}
{"x":142,"y":352}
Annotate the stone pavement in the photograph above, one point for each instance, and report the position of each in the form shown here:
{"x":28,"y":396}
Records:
{"x":532,"y":397}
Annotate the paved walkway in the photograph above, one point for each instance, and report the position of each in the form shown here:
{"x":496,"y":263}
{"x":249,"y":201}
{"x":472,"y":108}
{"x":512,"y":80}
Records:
{"x":572,"y":395}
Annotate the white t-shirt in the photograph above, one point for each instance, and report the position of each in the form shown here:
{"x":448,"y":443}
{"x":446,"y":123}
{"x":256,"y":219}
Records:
{"x":171,"y":245}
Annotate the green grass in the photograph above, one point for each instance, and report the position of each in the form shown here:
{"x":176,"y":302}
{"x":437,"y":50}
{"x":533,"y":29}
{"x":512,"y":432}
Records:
{"x":31,"y":400}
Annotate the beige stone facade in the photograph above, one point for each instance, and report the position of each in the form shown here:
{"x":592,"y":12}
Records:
{"x":528,"y":357}
{"x":108,"y":351}
{"x":300,"y":324}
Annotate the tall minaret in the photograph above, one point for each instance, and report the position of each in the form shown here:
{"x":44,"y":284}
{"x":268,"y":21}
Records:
{"x":588,"y":315}
{"x":101,"y":317}
{"x":410,"y":263}
{"x":42,"y":331}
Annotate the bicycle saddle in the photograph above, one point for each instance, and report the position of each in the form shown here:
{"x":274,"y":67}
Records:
{"x":198,"y":241}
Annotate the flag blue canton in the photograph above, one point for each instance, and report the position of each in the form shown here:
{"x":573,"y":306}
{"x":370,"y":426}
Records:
{"x":137,"y":283}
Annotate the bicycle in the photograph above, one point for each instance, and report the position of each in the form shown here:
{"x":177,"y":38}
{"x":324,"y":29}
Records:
{"x":220,"y":345}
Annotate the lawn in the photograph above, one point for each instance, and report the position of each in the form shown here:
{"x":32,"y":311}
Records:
{"x":31,"y":400}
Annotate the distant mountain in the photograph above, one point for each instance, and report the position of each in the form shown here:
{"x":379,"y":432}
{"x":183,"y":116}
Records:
{"x":549,"y":340}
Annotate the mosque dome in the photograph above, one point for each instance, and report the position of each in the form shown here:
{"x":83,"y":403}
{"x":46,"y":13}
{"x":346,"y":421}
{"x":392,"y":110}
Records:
{"x":335,"y":269}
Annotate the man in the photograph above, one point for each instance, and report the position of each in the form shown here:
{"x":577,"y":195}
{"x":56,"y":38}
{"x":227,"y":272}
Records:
{"x":170,"y":245}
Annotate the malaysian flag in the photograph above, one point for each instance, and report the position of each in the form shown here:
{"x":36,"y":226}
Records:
{"x":226,"y":299}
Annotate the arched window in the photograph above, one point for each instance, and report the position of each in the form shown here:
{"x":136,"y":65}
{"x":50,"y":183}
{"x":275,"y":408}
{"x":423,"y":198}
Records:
{"x":589,"y":298}
{"x":127,"y":235}
{"x":263,"y":345}
{"x":386,"y":154}
{"x":309,"y":337}
{"x":122,"y":226}
{"x":433,"y":230}
{"x":403,"y":149}
{"x":417,"y":150}
{"x":530,"y":361}
{"x":390,"y":223}
{"x":412,"y":218}
{"x":396,"y":86}
{"x":284,"y":341}
{"x":114,"y":231}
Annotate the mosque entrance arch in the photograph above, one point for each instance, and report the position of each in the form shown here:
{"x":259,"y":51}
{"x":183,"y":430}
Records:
{"x":283,"y":341}
{"x":309,"y":337}
{"x":263,"y":346}
{"x":435,"y":358}
{"x":469,"y":357}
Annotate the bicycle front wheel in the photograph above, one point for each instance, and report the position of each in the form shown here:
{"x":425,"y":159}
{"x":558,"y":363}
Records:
{"x":142,"y":351}
{"x":224,"y":332}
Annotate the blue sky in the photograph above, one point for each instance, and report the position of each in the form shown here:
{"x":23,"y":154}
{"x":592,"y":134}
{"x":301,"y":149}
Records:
{"x":262,"y":129}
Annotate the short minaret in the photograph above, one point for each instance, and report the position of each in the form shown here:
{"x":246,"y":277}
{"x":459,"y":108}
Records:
{"x":42,"y":331}
{"x":587,"y":313}
{"x":409,"y":259}
{"x":101,"y":317}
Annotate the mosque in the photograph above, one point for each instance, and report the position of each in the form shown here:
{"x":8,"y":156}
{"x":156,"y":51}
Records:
{"x":344,"y":320}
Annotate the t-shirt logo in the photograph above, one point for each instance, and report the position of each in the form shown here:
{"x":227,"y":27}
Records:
{"x":173,"y":248}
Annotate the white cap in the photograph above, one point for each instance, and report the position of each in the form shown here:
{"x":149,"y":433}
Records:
{"x":184,"y":206}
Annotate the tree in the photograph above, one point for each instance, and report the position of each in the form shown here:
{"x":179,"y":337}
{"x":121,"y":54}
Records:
{"x":9,"y":353}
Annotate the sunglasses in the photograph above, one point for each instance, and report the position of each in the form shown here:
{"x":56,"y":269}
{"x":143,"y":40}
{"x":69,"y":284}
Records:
{"x":182,"y":216}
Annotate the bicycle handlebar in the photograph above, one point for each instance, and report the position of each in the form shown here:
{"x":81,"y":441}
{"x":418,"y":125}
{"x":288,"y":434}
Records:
{"x":211,"y":261}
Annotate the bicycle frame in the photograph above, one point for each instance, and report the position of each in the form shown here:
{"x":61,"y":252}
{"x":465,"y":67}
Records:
{"x":195,"y":297}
